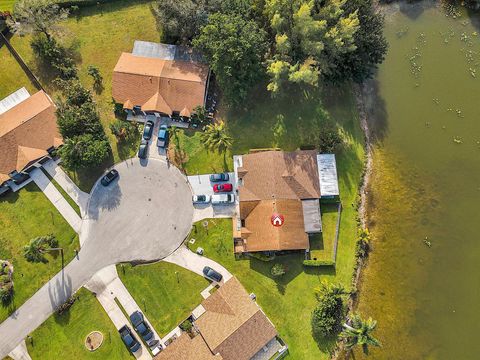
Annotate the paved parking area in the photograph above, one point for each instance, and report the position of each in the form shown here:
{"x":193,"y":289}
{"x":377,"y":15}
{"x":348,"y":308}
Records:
{"x":201,"y":185}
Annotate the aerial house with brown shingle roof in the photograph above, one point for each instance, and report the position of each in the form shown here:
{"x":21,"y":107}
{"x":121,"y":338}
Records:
{"x":279,"y":199}
{"x":28,"y":135}
{"x":231,"y":327}
{"x":160,"y":79}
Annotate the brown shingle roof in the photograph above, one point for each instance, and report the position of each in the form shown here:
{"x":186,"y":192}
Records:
{"x":185,"y":348}
{"x":26,"y":131}
{"x":279,"y":175}
{"x":233,"y":325}
{"x":276,"y":182}
{"x":261,"y":235}
{"x":159,"y":85}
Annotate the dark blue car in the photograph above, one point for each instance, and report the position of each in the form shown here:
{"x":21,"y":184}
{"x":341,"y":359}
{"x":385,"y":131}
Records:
{"x":129,"y":339}
{"x":109,"y":177}
{"x":219,"y":177}
{"x":141,"y":326}
{"x":148,"y":130}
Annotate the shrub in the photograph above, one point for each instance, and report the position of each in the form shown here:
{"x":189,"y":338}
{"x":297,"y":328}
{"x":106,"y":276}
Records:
{"x":262,"y":257}
{"x":122,"y":129}
{"x":55,"y":56}
{"x":4,"y":279}
{"x":329,"y":138}
{"x":327,"y":316}
{"x":6,"y":293}
{"x":362,"y":246}
{"x":186,"y":326}
{"x":277,"y":270}
{"x":94,"y":72}
{"x":318,"y":263}
{"x":84,"y":151}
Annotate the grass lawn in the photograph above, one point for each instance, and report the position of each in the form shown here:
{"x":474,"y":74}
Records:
{"x":6,"y":5}
{"x":165,"y":300}
{"x":12,"y":75}
{"x":63,"y":336}
{"x":23,"y":216}
{"x":195,"y":157}
{"x":97,"y":35}
{"x":321,"y":245}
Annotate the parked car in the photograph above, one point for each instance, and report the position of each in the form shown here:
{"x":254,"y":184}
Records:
{"x":140,"y":326}
{"x":162,"y":140}
{"x":148,"y":129}
{"x":219,"y":177}
{"x":201,"y":199}
{"x":143,"y":149}
{"x":211,"y":274}
{"x":129,"y":339}
{"x":219,"y":199}
{"x":222,"y":187}
{"x":109,"y":177}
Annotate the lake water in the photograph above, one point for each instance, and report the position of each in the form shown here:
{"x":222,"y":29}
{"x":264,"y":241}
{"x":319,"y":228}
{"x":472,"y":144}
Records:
{"x":422,"y":282}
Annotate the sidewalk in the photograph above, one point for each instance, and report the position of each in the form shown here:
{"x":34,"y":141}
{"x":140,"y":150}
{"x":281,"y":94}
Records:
{"x":20,"y":352}
{"x":108,"y":286}
{"x":193,"y":262}
{"x":51,"y":192}
{"x":57,"y":173}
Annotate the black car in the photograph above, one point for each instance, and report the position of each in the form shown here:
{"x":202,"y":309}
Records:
{"x":211,"y":274}
{"x":219,"y":177}
{"x":148,"y":130}
{"x":109,"y":177}
{"x":129,"y":339}
{"x":141,"y":326}
{"x":142,"y":150}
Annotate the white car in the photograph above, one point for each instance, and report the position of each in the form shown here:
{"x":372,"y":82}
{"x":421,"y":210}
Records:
{"x":219,"y":199}
{"x":201,"y":199}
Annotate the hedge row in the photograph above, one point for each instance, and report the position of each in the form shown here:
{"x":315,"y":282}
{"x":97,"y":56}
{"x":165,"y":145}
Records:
{"x":318,"y":262}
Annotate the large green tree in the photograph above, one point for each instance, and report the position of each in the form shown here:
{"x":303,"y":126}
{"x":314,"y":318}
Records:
{"x":83,"y":151}
{"x":180,"y":20}
{"x":359,"y":332}
{"x":37,"y":16}
{"x":328,"y":314}
{"x":235,"y":48}
{"x":309,"y":37}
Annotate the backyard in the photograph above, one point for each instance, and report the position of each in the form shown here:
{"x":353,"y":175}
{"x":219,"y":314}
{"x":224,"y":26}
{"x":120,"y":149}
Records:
{"x":65,"y":334}
{"x":6,"y":5}
{"x":166,"y":292}
{"x":23,"y":216}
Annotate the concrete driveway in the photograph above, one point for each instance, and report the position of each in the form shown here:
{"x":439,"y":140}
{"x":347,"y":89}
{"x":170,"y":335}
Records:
{"x":201,"y":185}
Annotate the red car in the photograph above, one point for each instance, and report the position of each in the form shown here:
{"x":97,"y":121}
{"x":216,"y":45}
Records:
{"x":222,"y":187}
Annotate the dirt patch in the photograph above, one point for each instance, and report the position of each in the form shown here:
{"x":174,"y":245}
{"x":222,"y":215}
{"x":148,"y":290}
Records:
{"x":94,"y":340}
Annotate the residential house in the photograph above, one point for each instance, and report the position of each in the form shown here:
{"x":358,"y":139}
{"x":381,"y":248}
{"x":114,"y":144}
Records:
{"x":28,"y":135}
{"x":231,"y":327}
{"x":279,"y":198}
{"x":165,"y":80}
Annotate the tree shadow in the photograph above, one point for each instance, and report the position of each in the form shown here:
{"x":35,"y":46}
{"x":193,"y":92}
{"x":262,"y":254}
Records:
{"x":375,"y":107}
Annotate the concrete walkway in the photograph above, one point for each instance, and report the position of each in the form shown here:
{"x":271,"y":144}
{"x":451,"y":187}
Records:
{"x":51,"y":192}
{"x":57,"y":173}
{"x":189,"y":260}
{"x":107,"y":287}
{"x":20,"y":352}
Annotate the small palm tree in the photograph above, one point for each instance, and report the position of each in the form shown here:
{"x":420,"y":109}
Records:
{"x":215,"y":137}
{"x":359,"y":332}
{"x":335,"y":289}
{"x":37,"y":247}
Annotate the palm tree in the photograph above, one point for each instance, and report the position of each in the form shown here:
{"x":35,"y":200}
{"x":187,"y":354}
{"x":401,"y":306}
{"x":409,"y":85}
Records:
{"x":335,"y":289}
{"x":37,"y":247}
{"x":215,"y":137}
{"x":359,"y":332}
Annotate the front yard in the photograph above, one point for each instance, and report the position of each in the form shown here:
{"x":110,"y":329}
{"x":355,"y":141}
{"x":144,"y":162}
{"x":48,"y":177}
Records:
{"x":23,"y":216}
{"x":96,"y":35}
{"x":63,"y":336}
{"x":165,"y":292}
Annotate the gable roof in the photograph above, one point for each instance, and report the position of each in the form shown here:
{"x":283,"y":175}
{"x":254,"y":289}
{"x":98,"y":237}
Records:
{"x":276,"y":182}
{"x":158,"y":84}
{"x":186,"y":348}
{"x":233,"y":325}
{"x":27,"y":131}
{"x":279,"y":175}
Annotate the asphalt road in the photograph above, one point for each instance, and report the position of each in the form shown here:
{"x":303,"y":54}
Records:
{"x":143,"y":216}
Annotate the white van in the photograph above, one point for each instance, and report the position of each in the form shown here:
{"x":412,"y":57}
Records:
{"x":219,"y":199}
